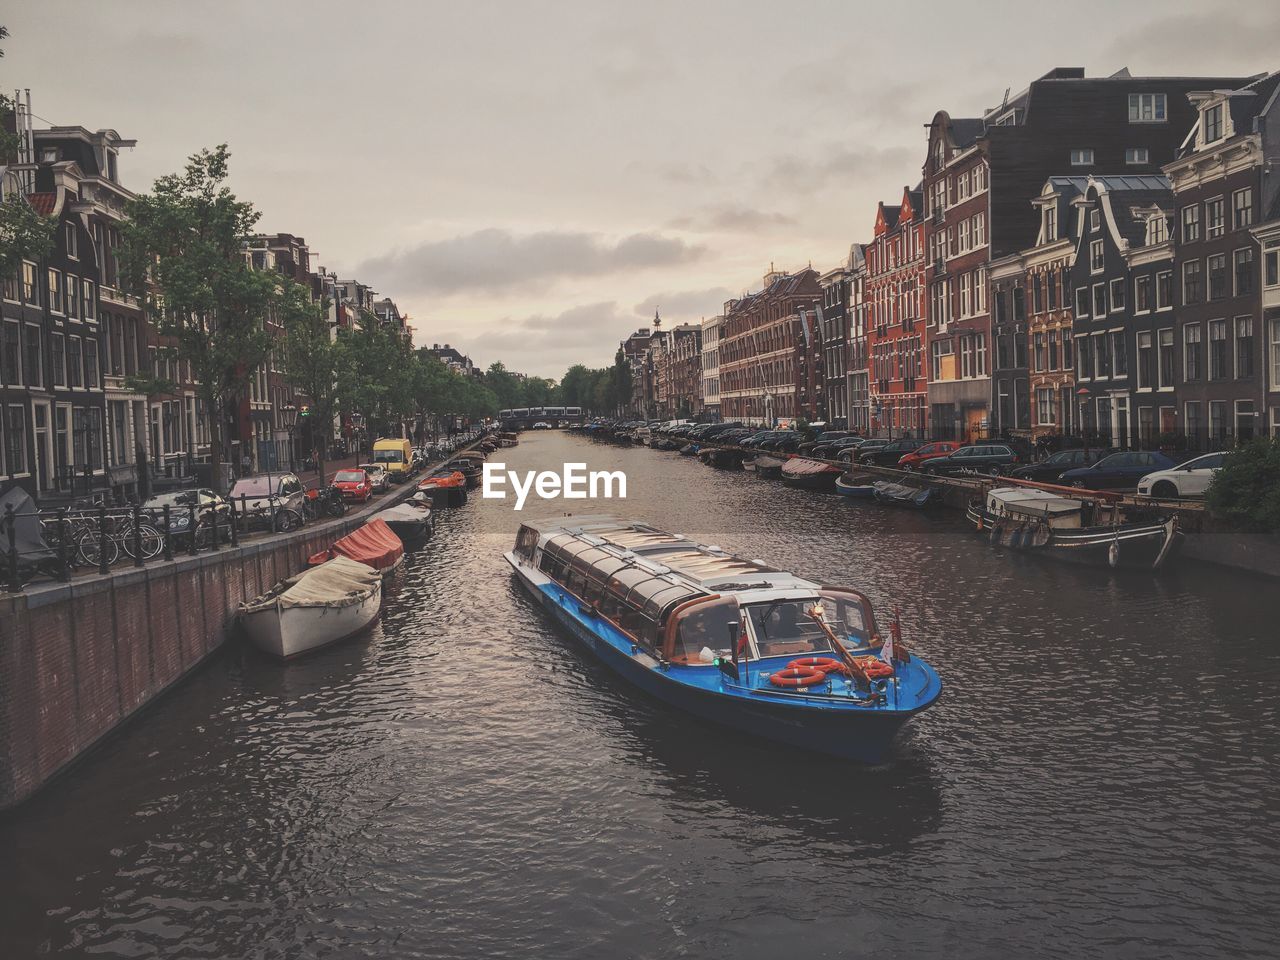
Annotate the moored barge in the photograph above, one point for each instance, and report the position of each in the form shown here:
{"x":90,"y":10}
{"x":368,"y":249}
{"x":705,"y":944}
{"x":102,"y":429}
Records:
{"x":728,"y":639}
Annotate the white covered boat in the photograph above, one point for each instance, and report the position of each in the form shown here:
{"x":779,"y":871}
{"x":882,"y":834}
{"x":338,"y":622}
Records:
{"x":319,"y":606}
{"x":411,"y":521}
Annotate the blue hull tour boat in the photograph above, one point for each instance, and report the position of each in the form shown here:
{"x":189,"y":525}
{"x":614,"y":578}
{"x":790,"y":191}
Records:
{"x":727,"y":639}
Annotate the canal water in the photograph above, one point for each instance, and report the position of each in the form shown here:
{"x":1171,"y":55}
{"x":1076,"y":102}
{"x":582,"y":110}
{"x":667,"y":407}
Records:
{"x":1099,"y":779}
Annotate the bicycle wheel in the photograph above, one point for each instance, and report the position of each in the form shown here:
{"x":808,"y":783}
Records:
{"x":89,"y":549}
{"x":149,"y":539}
{"x":286,"y":519}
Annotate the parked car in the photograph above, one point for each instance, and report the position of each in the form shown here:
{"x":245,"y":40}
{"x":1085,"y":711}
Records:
{"x":378,"y":478}
{"x":1190,"y":479}
{"x":989,"y":459}
{"x":273,"y":499}
{"x":1050,"y":470}
{"x":180,"y":502}
{"x":824,"y":438}
{"x":542,"y":425}
{"x":890,"y":453}
{"x":1120,"y":471}
{"x":939,"y":448}
{"x":353,"y":484}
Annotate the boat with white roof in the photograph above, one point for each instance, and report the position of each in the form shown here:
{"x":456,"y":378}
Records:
{"x":728,"y":639}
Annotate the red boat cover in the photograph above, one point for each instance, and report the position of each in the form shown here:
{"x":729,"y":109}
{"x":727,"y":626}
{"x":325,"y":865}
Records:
{"x":373,"y":544}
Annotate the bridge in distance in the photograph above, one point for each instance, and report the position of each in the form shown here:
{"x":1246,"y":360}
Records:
{"x":523,"y":418}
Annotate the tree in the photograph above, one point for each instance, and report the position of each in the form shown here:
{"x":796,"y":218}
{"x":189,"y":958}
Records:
{"x":622,"y":383}
{"x":1246,"y":491}
{"x":505,"y":385}
{"x":311,"y":359}
{"x":183,"y":253}
{"x":375,"y":375}
{"x":24,"y":233}
{"x":576,"y":386}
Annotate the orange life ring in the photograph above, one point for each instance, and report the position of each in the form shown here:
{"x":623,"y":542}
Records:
{"x":796,"y":677}
{"x":825,"y":664}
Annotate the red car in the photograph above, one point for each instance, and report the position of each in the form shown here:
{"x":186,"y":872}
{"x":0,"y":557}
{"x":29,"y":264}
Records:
{"x":354,"y":484}
{"x":939,"y":448}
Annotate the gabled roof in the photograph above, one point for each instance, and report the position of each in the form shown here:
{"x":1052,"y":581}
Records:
{"x":1252,"y":101}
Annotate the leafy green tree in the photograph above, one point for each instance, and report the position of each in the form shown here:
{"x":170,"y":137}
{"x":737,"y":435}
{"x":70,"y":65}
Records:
{"x":1246,"y":491}
{"x":576,"y":386}
{"x":24,"y":233}
{"x":538,"y":392}
{"x":183,"y":253}
{"x":622,"y":384}
{"x":505,"y":385}
{"x":376,"y":375}
{"x":311,"y":359}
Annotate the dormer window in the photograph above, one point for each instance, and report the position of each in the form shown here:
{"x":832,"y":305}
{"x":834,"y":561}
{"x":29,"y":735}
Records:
{"x":1157,"y":230}
{"x":1050,"y":224}
{"x":1211,"y":124}
{"x":1095,"y":220}
{"x":1147,"y":107}
{"x":1082,"y":158}
{"x":49,"y":155}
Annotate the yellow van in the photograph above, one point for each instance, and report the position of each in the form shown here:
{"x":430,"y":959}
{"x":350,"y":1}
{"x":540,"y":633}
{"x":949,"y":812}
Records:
{"x":396,"y":456}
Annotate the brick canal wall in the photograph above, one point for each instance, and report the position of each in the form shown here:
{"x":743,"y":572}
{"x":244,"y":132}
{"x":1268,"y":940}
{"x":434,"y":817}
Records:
{"x":80,"y":658}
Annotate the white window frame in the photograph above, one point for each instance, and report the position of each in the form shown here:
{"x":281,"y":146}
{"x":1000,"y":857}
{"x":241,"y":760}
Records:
{"x":1137,"y":156}
{"x":1082,"y":157}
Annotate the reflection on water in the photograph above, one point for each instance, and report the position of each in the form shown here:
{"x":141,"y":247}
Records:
{"x":1099,"y":778}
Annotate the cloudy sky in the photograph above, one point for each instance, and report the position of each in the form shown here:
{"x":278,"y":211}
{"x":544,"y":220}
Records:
{"x":530,"y":180}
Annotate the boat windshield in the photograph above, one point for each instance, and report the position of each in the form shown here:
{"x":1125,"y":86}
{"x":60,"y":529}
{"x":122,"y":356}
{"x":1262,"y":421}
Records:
{"x":785,"y":628}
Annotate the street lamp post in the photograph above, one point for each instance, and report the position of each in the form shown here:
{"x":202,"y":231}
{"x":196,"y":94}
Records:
{"x":289,"y":414}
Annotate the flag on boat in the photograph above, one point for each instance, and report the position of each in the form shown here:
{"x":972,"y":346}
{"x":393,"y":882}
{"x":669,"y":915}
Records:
{"x":886,"y":651}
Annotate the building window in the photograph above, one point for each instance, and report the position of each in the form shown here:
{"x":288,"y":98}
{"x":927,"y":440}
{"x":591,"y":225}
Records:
{"x":1166,"y":358}
{"x":1246,"y":419}
{"x":1243,"y":271}
{"x":1157,"y":230}
{"x":57,"y":361}
{"x":75,"y":368}
{"x":91,"y":363}
{"x":1191,"y":223}
{"x":1082,"y":302}
{"x":1244,"y":348}
{"x":55,"y":291}
{"x":71,"y":286}
{"x":1050,"y":224}
{"x":1193,"y":420}
{"x":1215,"y":218}
{"x":1218,"y":359}
{"x":1053,"y":349}
{"x":11,"y":287}
{"x":1037,"y":293}
{"x":1271,"y":264}
{"x":1275,"y":353}
{"x":1097,"y":256}
{"x":11,"y":345}
{"x":1147,"y":107}
{"x":1142,"y":300}
{"x":30,"y":292}
{"x":1119,"y":354}
{"x":1217,"y":276}
{"x":1146,"y":360}
{"x":1217,"y":421}
{"x":1082,"y":158}
{"x":1038,"y":352}
{"x":1084,"y":357}
{"x":1164,"y":290}
{"x":89,"y":302}
{"x":1192,"y":282}
{"x":17,"y":440}
{"x":1099,"y":299}
{"x":1101,"y":356}
{"x":1211,"y":124}
{"x":1192,"y":353}
{"x":1046,"y":409}
{"x":1242,"y":206}
{"x":1136,"y":155}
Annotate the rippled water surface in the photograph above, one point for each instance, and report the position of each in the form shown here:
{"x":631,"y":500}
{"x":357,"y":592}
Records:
{"x":1099,"y":779}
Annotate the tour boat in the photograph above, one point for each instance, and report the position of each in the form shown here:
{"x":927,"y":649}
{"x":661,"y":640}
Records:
{"x":1080,"y":529}
{"x":373,"y":545}
{"x":319,"y":606}
{"x":411,"y":521}
{"x":809,"y":474}
{"x":856,"y":485}
{"x":728,"y":639}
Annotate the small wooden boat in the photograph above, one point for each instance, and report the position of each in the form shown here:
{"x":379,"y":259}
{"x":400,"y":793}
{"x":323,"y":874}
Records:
{"x":727,"y":639}
{"x":1078,"y":529}
{"x":374,"y":545}
{"x":508,"y":439}
{"x":764,"y":465}
{"x":809,"y":474}
{"x":319,"y":606}
{"x":902,"y":495}
{"x":445,"y":490}
{"x":411,"y":522}
{"x":725,"y":458}
{"x":471,"y":466}
{"x":856,"y":485}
